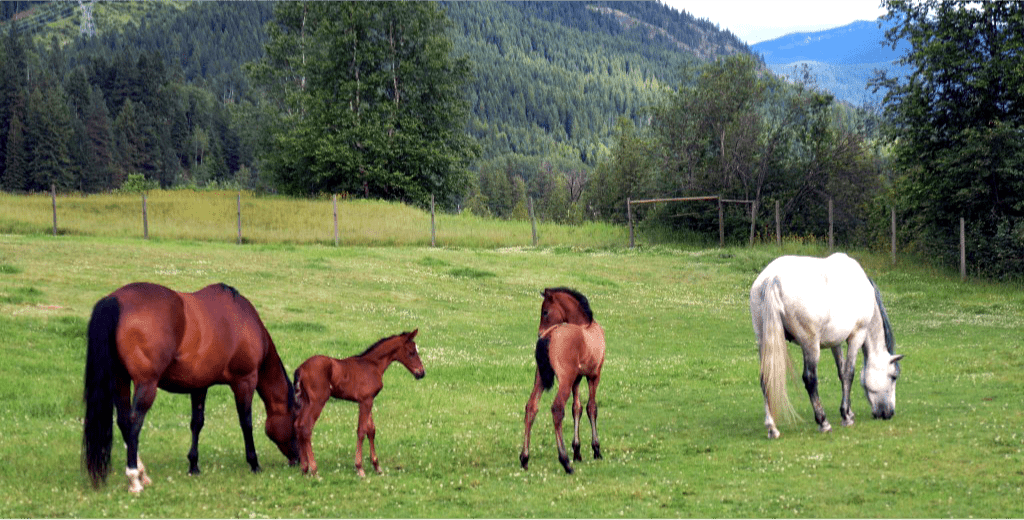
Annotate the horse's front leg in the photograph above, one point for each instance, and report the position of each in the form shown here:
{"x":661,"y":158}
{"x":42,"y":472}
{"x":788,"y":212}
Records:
{"x":362,"y":430}
{"x":811,"y":356}
{"x":531,"y":414}
{"x":198,"y":419}
{"x":577,"y":415}
{"x":557,"y":415}
{"x":845,"y":370}
{"x":243,"y":404}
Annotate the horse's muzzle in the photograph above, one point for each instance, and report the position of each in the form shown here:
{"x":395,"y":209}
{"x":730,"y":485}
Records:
{"x":420,"y":374}
{"x":884,"y":413}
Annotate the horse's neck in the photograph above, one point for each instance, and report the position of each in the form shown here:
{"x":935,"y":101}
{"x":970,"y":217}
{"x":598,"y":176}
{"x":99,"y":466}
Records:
{"x":381,"y":357}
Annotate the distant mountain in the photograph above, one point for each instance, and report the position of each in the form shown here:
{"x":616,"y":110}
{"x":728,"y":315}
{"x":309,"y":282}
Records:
{"x":841,"y":60}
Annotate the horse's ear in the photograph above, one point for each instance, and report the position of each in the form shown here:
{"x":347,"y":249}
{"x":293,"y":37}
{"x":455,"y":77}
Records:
{"x":896,"y":358}
{"x":413,"y":333}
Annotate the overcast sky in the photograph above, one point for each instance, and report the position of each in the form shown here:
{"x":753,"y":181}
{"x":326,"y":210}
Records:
{"x":755,"y":21}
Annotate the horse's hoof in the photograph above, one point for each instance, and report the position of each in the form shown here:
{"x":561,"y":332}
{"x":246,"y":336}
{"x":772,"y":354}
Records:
{"x":773,"y":433}
{"x":597,"y":452}
{"x":825,"y":427}
{"x":524,"y":461}
{"x":847,"y":423}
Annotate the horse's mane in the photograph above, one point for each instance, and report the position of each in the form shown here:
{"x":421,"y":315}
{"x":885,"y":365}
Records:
{"x":379,"y":342}
{"x":582,"y":300}
{"x":234,"y":292}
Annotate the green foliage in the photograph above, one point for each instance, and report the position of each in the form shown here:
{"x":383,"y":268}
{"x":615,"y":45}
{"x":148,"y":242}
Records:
{"x":137,"y":183}
{"x":376,"y":99}
{"x":957,"y":129}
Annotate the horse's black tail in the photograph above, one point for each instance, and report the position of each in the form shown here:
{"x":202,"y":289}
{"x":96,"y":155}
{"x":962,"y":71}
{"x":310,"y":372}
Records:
{"x":100,"y":361}
{"x":547,"y":373}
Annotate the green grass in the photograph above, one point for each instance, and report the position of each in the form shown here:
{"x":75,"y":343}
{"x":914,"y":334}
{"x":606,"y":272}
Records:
{"x":680,"y":408}
{"x":213,"y":217}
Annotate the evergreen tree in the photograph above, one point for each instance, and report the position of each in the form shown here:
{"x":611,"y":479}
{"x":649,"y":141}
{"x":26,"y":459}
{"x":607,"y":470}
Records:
{"x":372,"y":101}
{"x":15,"y":173}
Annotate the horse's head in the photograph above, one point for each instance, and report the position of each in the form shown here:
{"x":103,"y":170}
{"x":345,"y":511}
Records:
{"x":879,"y":381}
{"x":563,"y":305}
{"x":409,"y":355}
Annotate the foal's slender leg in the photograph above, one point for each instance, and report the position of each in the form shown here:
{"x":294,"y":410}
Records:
{"x":592,"y":414}
{"x":558,"y":414}
{"x":577,"y":415}
{"x":145,"y":394}
{"x":311,"y":403}
{"x":371,"y":434}
{"x":531,"y":414}
{"x":243,"y":404}
{"x":198,"y":419}
{"x":811,"y":357}
{"x":361,"y":431}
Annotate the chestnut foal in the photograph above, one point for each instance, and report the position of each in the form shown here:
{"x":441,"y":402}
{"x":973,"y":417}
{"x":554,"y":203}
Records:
{"x":357,"y":378}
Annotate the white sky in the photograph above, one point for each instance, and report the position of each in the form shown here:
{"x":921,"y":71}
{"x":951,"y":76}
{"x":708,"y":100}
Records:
{"x":755,"y":21}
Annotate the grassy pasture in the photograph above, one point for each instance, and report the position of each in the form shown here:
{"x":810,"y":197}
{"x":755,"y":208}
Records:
{"x":213,"y":217}
{"x":680,"y":407}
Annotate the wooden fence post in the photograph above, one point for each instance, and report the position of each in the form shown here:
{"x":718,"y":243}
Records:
{"x":145,"y":218}
{"x":892,"y":218}
{"x":53,"y":200}
{"x":335,"y":220}
{"x":721,"y":223}
{"x":432,"y":228}
{"x":533,"y":222}
{"x":629,"y":216}
{"x":778,"y":226}
{"x":963,"y":252}
{"x":831,"y":238}
{"x":753,"y":221}
{"x":239,"y":217}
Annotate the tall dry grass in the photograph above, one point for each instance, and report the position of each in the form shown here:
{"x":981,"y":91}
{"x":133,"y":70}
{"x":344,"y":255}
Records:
{"x":213,"y":216}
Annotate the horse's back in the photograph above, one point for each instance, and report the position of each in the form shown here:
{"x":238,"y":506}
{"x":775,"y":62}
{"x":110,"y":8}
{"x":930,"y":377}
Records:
{"x":832,"y":295}
{"x":188,"y":340}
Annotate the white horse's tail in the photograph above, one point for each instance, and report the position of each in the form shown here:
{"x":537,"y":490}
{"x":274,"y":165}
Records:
{"x":776,"y":364}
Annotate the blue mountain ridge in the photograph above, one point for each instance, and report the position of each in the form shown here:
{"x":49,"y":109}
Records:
{"x":841,"y":60}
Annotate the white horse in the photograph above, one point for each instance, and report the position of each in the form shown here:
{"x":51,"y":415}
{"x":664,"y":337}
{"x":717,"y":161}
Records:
{"x":819,"y":303}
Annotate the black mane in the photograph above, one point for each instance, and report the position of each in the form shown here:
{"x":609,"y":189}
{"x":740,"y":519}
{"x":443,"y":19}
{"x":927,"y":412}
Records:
{"x":378,"y":343}
{"x":582,"y":300}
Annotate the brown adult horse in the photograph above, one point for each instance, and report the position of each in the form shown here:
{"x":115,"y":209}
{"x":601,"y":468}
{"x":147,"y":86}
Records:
{"x":356,"y":378}
{"x":570,"y":346}
{"x":183,"y":343}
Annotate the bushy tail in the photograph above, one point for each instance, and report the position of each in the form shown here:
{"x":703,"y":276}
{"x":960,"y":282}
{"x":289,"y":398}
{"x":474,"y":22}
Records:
{"x":776,"y":364}
{"x":100,"y":361}
{"x":547,"y":373}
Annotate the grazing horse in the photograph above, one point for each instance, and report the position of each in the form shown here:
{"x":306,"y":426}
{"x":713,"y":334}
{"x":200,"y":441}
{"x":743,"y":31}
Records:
{"x":822,"y":303}
{"x":356,"y":378}
{"x":154,"y":337}
{"x":570,"y":347}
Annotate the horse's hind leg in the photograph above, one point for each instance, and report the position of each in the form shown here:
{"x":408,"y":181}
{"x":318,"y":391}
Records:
{"x":531,"y":414}
{"x":198,"y":419}
{"x":577,"y":415}
{"x":811,"y":356}
{"x":557,"y":415}
{"x":769,"y":421}
{"x":592,"y":415}
{"x":130,"y":420}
